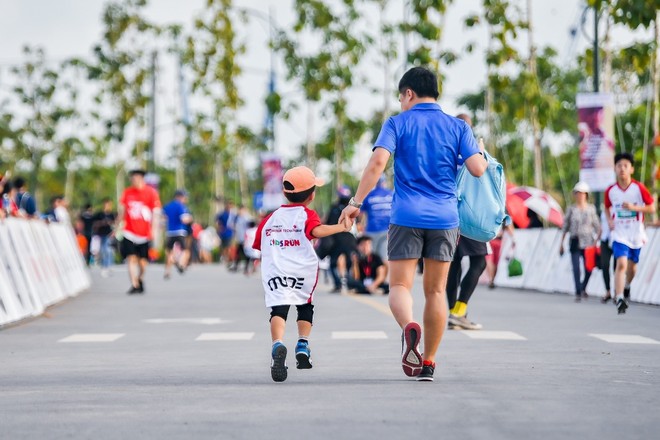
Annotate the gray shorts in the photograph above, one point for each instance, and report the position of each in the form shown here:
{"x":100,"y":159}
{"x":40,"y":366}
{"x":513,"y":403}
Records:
{"x":437,"y":244}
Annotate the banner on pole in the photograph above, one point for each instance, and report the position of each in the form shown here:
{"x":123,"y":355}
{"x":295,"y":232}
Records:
{"x":271,"y":167}
{"x":596,"y":129}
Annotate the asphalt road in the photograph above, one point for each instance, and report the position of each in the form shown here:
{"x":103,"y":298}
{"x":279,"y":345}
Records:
{"x":190,"y":360}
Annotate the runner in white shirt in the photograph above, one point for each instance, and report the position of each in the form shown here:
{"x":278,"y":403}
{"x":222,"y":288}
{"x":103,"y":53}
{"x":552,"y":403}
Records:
{"x":626,"y":202}
{"x":289,"y":265}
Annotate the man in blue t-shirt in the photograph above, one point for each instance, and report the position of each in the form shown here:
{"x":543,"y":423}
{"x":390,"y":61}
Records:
{"x":27,"y":207}
{"x":428,"y":147}
{"x":178,"y":217}
{"x":378,"y":207}
{"x":224,"y":223}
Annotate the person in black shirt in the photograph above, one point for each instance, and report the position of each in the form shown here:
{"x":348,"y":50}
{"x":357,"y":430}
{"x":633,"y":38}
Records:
{"x":87,"y":218}
{"x":368,"y":271}
{"x":342,"y":245}
{"x":104,"y":227}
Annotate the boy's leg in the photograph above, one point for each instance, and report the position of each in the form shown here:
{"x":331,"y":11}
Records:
{"x":620,"y":275}
{"x":278,"y":367}
{"x":587,"y":274}
{"x":305,"y":319}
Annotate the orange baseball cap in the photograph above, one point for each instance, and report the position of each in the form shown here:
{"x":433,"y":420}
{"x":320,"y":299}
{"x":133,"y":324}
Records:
{"x":300,"y":179}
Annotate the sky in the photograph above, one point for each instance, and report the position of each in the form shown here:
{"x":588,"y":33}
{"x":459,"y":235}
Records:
{"x":66,"y":28}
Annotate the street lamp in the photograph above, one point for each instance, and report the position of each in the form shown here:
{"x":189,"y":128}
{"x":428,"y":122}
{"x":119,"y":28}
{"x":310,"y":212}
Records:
{"x":269,"y":123}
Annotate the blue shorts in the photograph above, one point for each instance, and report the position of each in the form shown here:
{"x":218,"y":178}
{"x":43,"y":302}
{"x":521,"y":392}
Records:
{"x":621,"y":250}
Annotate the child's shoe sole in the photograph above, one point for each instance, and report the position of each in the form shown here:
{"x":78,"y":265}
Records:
{"x":303,"y":362}
{"x":278,"y":364}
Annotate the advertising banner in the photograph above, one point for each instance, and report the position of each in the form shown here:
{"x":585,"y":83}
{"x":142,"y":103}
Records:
{"x":271,"y":168}
{"x":596,"y":134}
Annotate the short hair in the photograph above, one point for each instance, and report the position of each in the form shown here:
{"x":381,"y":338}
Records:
{"x":19,"y":182}
{"x":421,"y":81}
{"x":106,"y":200}
{"x":363,"y":239}
{"x":624,"y":156}
{"x":301,"y":196}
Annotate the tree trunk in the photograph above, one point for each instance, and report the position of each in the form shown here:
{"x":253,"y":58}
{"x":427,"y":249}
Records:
{"x":534,"y":121}
{"x":311,"y":156}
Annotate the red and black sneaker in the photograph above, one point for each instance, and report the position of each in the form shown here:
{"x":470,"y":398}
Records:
{"x":411,"y":360}
{"x":428,"y":369}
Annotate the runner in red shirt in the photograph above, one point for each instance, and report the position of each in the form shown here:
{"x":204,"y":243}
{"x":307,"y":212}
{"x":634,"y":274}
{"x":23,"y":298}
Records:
{"x":137,"y":206}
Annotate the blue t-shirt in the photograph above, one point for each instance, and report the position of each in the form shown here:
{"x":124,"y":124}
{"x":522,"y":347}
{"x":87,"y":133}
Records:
{"x":378,"y":206}
{"x":426,"y":143}
{"x":174,"y":210}
{"x":226,"y":220}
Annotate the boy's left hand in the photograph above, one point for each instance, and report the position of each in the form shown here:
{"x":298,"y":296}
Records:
{"x":347,"y":222}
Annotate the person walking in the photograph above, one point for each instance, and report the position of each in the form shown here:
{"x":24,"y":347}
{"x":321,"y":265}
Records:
{"x":178,"y":217}
{"x":290,"y":267}
{"x":344,"y":244}
{"x":476,"y":251}
{"x":377,"y":207}
{"x":87,"y":219}
{"x":138,"y":205}
{"x":605,"y":262}
{"x":428,"y":147}
{"x":583,"y":226}
{"x":224,"y":223}
{"x":104,"y":227}
{"x":626,"y":202}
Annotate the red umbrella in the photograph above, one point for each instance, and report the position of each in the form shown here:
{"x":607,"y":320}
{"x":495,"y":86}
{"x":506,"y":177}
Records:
{"x":523,"y":198}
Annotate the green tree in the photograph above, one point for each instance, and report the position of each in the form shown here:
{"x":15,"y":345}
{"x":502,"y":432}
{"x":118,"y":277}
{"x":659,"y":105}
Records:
{"x":327,"y":74}
{"x":212,"y":53}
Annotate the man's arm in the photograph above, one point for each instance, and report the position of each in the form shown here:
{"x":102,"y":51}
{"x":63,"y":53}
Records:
{"x":370,"y":176}
{"x":477,"y":163}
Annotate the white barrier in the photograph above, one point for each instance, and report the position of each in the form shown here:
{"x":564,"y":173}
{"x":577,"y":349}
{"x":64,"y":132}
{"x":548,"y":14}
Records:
{"x":545,"y":270}
{"x":40,"y":265}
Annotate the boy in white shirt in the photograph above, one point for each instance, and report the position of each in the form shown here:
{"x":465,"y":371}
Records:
{"x":626,"y":202}
{"x":289,"y":265}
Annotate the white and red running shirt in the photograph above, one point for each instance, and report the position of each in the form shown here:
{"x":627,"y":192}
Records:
{"x":138,"y":207}
{"x":289,"y":265}
{"x":628,"y":225}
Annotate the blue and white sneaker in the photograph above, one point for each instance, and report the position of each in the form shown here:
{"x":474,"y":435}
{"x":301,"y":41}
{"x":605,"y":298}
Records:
{"x":278,"y":363}
{"x":303,"y":356}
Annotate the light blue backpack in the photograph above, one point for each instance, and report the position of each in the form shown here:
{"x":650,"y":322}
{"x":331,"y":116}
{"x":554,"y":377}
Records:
{"x":481,"y":201}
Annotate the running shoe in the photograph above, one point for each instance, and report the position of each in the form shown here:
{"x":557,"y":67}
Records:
{"x":605,"y":298}
{"x":303,"y":356}
{"x":461,"y":322}
{"x":427,"y":372}
{"x":278,"y":363}
{"x":133,"y":290}
{"x":621,"y":305}
{"x":411,"y":360}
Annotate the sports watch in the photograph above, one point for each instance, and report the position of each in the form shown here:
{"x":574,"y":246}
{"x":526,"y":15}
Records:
{"x":354,"y":204}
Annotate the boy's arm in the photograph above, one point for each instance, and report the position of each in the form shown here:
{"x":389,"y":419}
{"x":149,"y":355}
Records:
{"x":326,"y":230}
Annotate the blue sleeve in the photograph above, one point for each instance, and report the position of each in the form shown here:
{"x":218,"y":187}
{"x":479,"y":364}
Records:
{"x":32,"y":206}
{"x":467,"y":144}
{"x":387,"y":136}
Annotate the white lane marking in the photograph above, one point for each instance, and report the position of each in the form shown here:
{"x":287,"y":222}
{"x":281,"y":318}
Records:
{"x":489,"y":334}
{"x":205,"y":321}
{"x":227,"y":336}
{"x":359,"y":335}
{"x":93,"y":337}
{"x":624,"y":339}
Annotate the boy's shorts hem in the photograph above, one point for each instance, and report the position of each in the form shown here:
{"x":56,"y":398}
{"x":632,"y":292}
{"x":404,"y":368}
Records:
{"x":621,"y":250}
{"x":406,"y":243}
